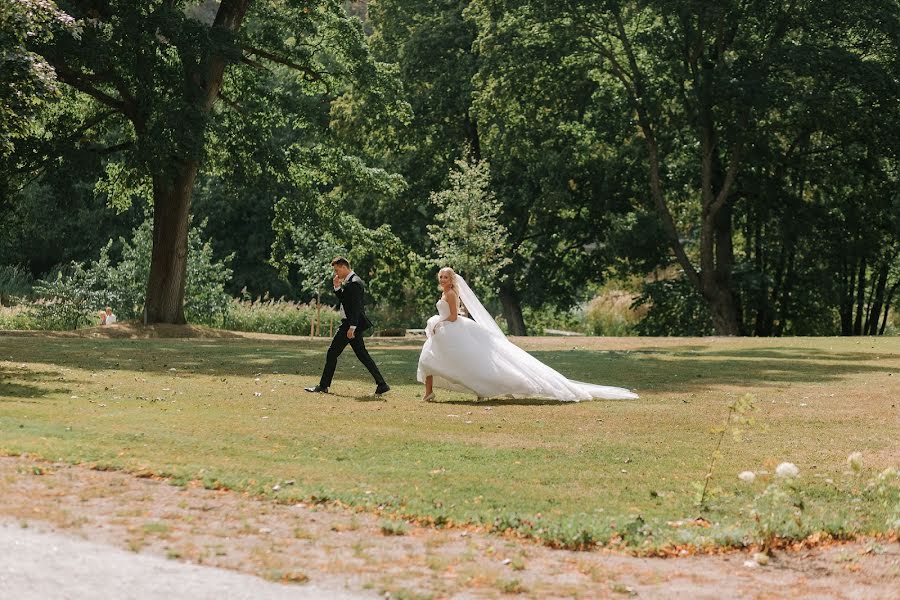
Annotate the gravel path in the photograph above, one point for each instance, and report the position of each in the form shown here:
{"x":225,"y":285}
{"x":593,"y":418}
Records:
{"x":70,"y":532}
{"x":48,"y":566}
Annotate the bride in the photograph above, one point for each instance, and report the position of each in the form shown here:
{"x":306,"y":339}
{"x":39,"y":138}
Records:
{"x":474,"y":356}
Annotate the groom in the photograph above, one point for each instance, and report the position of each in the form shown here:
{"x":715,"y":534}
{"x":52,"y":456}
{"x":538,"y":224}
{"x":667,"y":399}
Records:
{"x":349,"y":289}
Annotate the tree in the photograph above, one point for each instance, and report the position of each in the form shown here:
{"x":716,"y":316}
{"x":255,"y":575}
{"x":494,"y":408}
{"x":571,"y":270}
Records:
{"x":167,"y":71}
{"x":704,"y":76}
{"x":473,"y":81}
{"x":466,"y":234}
{"x":26,"y":80}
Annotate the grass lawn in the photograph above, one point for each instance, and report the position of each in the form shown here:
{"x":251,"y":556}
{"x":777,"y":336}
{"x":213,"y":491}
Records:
{"x":231,"y":412}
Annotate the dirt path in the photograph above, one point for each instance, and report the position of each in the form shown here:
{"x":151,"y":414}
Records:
{"x":335,"y":548}
{"x":49,"y":566}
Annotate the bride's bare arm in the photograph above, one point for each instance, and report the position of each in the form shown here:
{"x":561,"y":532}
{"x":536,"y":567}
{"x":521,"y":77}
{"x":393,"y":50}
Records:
{"x":453,"y":301}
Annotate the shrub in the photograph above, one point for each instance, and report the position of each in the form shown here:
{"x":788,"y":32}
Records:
{"x":18,"y":317}
{"x":613,"y":313}
{"x":675,"y":308}
{"x":539,"y":320}
{"x":71,"y":299}
{"x":15,"y":284}
{"x":124,"y":284}
{"x":265,"y":315}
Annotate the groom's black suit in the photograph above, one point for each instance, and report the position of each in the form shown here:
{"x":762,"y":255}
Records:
{"x":351,"y":297}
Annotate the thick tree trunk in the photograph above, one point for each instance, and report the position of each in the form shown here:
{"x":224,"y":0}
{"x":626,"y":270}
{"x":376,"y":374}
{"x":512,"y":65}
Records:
{"x":512,"y":309}
{"x":716,"y":258}
{"x":725,"y":314}
{"x":172,"y":194}
{"x":168,"y":264}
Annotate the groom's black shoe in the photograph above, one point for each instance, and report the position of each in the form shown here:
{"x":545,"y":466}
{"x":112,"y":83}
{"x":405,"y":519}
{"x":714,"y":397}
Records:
{"x":382,"y":388}
{"x":317,"y":389}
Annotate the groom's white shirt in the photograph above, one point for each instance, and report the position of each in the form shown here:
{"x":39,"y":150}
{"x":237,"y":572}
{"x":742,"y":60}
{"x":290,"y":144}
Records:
{"x":343,"y":314}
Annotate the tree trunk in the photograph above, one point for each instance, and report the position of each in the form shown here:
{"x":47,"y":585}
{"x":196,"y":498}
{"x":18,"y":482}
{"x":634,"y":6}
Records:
{"x":172,"y":194}
{"x":848,"y":284}
{"x":716,"y":258}
{"x":512,"y":309}
{"x":874,"y":312}
{"x":168,"y":263}
{"x":860,"y":297}
{"x":887,"y":307}
{"x":786,"y":292}
{"x":765,"y":309}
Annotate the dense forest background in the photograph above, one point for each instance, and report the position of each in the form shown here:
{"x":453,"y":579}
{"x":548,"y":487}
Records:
{"x":653,"y":167}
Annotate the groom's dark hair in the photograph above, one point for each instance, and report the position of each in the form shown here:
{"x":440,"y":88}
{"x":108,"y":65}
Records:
{"x":340,"y":260}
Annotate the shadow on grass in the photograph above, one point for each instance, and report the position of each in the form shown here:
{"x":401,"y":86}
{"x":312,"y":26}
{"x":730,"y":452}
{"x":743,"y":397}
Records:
{"x":18,"y":384}
{"x":368,"y":398}
{"x":816,"y":354}
{"x":676,"y":369}
{"x":508,"y":402}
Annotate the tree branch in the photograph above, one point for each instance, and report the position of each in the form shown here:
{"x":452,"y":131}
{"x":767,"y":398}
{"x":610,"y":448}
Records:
{"x":730,"y":174}
{"x":232,"y":104}
{"x":76,"y":80}
{"x":311,"y":74}
{"x":111,"y":149}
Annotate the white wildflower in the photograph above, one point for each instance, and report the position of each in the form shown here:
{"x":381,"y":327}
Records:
{"x":747,"y":476}
{"x":787,"y":470}
{"x":887,"y":474}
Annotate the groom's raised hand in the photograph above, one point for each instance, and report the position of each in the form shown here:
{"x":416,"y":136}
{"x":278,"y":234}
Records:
{"x":336,"y":282}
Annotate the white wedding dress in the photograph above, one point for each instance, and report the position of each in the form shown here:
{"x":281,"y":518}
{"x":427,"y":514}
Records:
{"x":474,"y":356}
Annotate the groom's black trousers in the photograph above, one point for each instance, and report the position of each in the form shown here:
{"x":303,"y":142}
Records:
{"x":337,"y":346}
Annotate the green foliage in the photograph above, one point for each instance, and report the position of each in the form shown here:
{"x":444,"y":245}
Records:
{"x":613,"y":312}
{"x":675,"y":308}
{"x":15,"y":284}
{"x":123,"y":284}
{"x":266,"y":315}
{"x":779,"y":513}
{"x":736,"y":420}
{"x":539,"y":320}
{"x":74,"y":296}
{"x":307,"y":241}
{"x":18,"y":317}
{"x":467,"y":234}
{"x":358,"y":133}
{"x":69,"y":300}
{"x":27,"y":82}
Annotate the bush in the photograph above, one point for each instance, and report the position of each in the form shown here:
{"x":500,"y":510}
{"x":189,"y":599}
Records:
{"x":265,"y":315}
{"x":68,"y":301}
{"x":15,"y":285}
{"x":17,"y":317}
{"x":674,"y":308}
{"x":124,"y":285}
{"x":74,"y":296}
{"x":613,"y":313}
{"x":539,"y":320}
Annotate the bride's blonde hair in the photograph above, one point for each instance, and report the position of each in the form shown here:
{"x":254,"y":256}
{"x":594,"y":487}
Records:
{"x":453,"y":286}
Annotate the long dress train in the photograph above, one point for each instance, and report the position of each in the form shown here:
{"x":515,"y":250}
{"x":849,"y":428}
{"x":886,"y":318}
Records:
{"x":466,"y":356}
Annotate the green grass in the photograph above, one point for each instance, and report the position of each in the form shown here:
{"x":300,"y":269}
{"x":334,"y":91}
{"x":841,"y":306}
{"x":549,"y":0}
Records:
{"x":232,"y":414}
